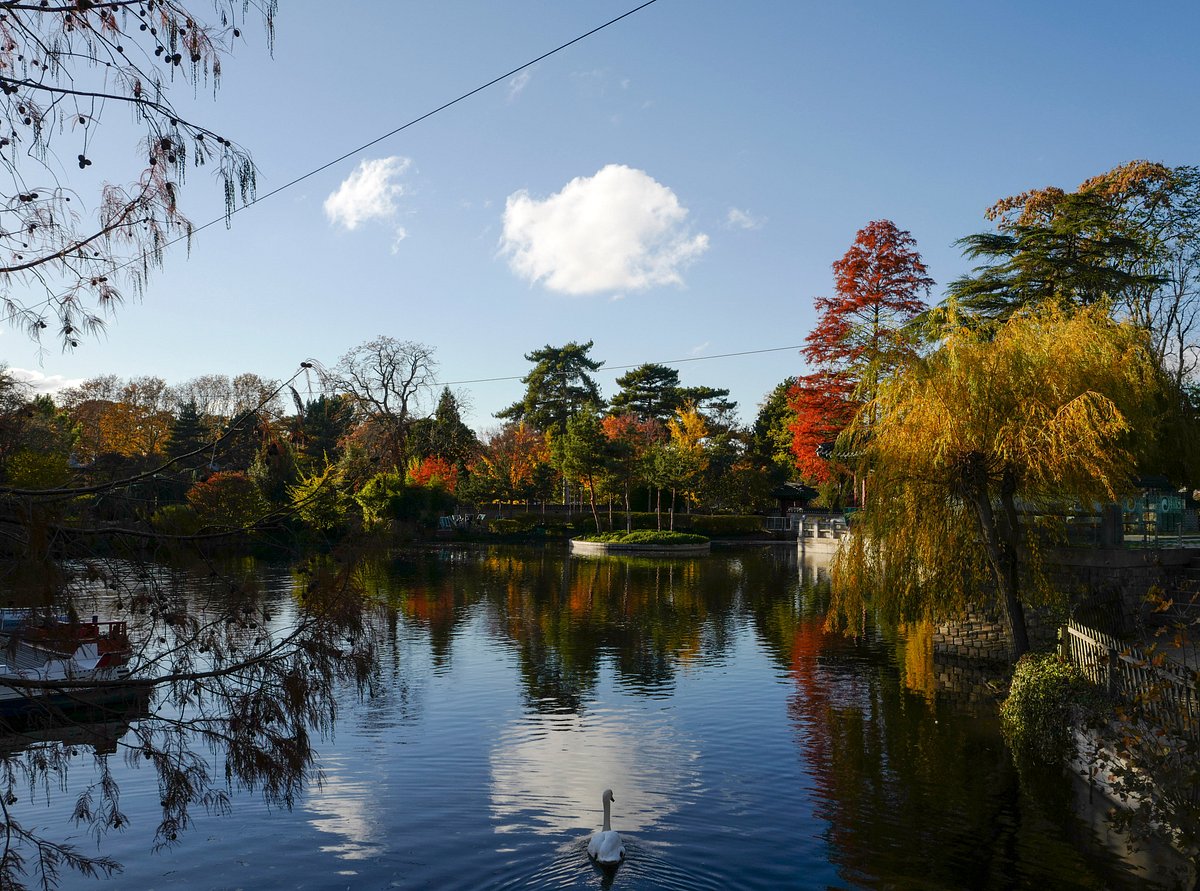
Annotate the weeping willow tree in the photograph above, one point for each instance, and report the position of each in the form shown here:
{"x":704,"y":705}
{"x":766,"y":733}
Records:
{"x":965,"y":448}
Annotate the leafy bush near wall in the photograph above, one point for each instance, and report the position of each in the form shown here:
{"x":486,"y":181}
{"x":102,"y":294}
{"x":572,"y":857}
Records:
{"x":555,"y":526}
{"x":1042,"y":707}
{"x":640,"y":519}
{"x":704,"y":524}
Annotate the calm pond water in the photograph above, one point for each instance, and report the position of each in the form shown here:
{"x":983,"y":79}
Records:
{"x":746,"y":748}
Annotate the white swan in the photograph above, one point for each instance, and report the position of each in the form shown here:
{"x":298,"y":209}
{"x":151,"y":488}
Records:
{"x":606,"y":847}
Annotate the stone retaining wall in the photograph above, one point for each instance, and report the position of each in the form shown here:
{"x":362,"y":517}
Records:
{"x":969,"y":681}
{"x":1108,"y":586}
{"x":980,"y":634}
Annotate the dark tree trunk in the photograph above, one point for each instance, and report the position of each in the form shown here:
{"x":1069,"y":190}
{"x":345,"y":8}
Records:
{"x":1000,"y":541}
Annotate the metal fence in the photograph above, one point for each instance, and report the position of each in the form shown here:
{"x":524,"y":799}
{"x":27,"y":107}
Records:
{"x":1157,"y":686}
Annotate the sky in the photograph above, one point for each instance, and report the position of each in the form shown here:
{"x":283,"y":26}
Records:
{"x":674,"y":187}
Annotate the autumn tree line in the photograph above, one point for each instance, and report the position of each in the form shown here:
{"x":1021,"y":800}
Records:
{"x":380,"y":444}
{"x":998,"y":369}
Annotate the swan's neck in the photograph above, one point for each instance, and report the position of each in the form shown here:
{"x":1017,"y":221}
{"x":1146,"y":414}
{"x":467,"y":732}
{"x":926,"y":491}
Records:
{"x":607,"y":825}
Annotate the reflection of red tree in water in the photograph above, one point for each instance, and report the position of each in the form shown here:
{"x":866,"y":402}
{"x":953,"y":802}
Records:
{"x":912,"y":794}
{"x":840,"y":713}
{"x":809,"y":707}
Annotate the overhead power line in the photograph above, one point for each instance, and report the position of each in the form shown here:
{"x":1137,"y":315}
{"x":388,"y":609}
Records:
{"x":517,"y":377}
{"x":467,"y":95}
{"x":259,"y":199}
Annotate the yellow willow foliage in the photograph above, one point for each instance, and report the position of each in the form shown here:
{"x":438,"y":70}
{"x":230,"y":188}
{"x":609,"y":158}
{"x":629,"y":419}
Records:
{"x":916,"y":644}
{"x":1053,"y":407}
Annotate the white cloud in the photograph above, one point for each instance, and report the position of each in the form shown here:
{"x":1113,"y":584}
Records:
{"x":401,"y":234}
{"x":44,"y":383}
{"x":743,"y":219}
{"x":369,"y":193}
{"x":618,"y":230}
{"x":518,"y":83}
{"x":700,"y":348}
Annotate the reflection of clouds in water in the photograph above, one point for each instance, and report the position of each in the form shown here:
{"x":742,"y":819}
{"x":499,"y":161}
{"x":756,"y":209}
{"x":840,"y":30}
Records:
{"x":548,"y":772}
{"x":343,"y":807}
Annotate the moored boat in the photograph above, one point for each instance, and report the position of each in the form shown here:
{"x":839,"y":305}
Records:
{"x":36,"y":654}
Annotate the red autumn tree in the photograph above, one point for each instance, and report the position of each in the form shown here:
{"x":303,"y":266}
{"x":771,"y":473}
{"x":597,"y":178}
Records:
{"x":859,"y":338}
{"x":822,"y":406}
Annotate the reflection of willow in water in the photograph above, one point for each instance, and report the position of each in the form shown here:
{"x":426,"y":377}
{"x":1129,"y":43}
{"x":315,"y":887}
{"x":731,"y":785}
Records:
{"x":879,"y":745}
{"x":565,"y":617}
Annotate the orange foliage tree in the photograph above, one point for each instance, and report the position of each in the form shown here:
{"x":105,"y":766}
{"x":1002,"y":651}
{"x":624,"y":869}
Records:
{"x":131,"y":430}
{"x":433,"y":471}
{"x":514,"y":460}
{"x":822,"y":404}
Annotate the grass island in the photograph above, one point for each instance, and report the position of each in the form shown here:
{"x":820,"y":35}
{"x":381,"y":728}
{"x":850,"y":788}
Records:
{"x":641,"y":541}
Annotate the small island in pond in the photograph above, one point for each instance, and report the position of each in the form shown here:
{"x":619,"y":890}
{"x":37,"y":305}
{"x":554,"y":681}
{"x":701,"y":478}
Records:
{"x":642,"y":541}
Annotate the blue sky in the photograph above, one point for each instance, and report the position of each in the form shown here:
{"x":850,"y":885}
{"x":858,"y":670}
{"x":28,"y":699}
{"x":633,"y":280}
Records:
{"x":676,"y":186}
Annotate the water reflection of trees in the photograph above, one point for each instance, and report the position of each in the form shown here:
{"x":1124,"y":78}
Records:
{"x":566,"y":617}
{"x":914,"y":791}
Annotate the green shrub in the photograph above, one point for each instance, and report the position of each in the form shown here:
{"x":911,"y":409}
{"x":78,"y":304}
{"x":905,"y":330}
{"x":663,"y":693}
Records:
{"x":228,"y":499}
{"x":37,"y":470}
{"x":1039,"y":714}
{"x":386,"y":499}
{"x":319,"y":500}
{"x":175,"y":519}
